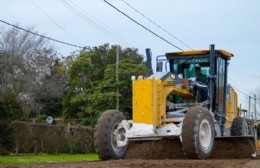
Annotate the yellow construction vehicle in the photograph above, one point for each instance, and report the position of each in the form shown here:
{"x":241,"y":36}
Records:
{"x":186,"y":111}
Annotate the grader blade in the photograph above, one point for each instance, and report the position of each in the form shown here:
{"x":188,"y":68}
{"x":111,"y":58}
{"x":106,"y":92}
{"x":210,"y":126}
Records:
{"x":233,"y":148}
{"x":155,"y":149}
{"x":224,"y":148}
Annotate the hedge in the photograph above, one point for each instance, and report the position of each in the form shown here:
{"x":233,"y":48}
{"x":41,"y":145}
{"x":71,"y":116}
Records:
{"x":52,"y":139}
{"x":5,"y":138}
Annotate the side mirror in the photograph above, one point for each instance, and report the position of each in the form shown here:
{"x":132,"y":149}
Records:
{"x":159,"y":66}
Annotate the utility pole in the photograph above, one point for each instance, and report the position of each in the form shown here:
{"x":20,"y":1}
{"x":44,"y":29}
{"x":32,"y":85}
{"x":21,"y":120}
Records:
{"x":249,"y":106}
{"x":117,"y":89}
{"x":241,"y":111}
{"x":255,"y":106}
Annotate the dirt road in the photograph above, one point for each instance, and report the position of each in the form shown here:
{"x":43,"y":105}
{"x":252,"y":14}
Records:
{"x":138,"y":163}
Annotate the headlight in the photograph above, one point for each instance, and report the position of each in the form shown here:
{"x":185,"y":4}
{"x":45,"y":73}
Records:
{"x":133,"y":78}
{"x":173,"y":76}
{"x":180,"y":76}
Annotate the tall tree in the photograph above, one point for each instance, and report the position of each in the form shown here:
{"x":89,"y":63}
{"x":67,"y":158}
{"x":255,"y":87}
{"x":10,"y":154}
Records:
{"x":91,"y":86}
{"x":26,"y":60}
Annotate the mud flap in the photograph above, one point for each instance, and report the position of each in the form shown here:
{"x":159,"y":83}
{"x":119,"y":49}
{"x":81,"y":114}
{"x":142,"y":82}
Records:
{"x":233,"y":148}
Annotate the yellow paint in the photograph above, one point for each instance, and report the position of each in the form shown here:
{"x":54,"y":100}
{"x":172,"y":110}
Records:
{"x":232,"y":110}
{"x":149,"y":99}
{"x":258,"y":144}
{"x":223,"y":53}
{"x":144,"y":101}
{"x":175,"y":89}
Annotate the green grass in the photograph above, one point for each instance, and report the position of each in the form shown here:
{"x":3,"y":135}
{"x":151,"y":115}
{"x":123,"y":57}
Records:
{"x":45,"y":158}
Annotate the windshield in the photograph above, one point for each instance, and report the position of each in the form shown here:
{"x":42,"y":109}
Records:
{"x":186,"y":66}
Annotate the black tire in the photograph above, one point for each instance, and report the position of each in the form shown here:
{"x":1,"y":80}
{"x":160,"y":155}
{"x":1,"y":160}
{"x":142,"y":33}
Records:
{"x":104,"y":139}
{"x":195,"y":143}
{"x":239,"y":127}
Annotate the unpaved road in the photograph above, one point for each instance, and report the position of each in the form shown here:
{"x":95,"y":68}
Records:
{"x":138,"y":163}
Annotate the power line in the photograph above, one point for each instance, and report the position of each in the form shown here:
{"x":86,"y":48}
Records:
{"x":85,"y":18}
{"x":245,"y":73}
{"x":46,"y":37}
{"x":71,"y":7}
{"x":101,"y":23}
{"x":238,"y":84}
{"x":243,"y":92}
{"x":160,"y":27}
{"x":142,"y":25}
{"x":53,"y":21}
{"x":257,"y":99}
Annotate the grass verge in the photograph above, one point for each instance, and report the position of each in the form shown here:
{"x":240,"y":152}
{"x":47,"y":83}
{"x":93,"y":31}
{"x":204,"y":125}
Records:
{"x":45,"y":158}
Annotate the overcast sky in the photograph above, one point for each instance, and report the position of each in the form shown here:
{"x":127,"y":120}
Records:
{"x":233,"y":25}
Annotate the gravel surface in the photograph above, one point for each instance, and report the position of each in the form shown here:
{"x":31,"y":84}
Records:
{"x":139,"y":163}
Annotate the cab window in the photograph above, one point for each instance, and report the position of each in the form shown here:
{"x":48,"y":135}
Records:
{"x":186,"y":66}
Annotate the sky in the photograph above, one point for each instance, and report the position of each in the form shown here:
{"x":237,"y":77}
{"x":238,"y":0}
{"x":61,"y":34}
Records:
{"x":232,"y":25}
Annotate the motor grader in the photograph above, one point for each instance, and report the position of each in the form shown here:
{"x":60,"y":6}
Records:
{"x":177,"y":116}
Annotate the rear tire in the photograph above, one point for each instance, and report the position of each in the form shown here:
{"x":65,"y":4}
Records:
{"x":239,"y":127}
{"x":198,"y":133}
{"x":105,"y":137}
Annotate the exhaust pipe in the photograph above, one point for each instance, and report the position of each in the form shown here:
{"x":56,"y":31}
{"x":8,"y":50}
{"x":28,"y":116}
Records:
{"x":149,"y":60}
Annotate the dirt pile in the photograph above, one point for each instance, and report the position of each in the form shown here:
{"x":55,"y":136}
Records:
{"x":233,"y":148}
{"x":162,"y":149}
{"x":224,"y":148}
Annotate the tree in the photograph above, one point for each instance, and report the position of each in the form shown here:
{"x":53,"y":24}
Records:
{"x":48,"y":95}
{"x":91,"y":87}
{"x":25,"y":61}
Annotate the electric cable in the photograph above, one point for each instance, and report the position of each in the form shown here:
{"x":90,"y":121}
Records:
{"x":81,"y":10}
{"x":143,"y":26}
{"x":245,"y":73}
{"x":53,"y":21}
{"x":238,"y":85}
{"x":157,"y":25}
{"x":257,"y":99}
{"x":86,"y":18}
{"x":46,"y":37}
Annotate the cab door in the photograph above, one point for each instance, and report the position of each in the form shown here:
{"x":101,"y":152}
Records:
{"x":221,"y":85}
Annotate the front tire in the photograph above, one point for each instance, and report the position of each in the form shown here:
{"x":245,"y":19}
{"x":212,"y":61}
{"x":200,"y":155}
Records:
{"x":239,"y":127}
{"x":106,"y":135}
{"x":198,"y":133}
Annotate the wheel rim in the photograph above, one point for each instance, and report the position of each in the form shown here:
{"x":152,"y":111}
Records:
{"x":117,"y":134}
{"x":205,"y":134}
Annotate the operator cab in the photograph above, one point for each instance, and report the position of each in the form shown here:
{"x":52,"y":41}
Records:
{"x":213,"y":66}
{"x":195,"y":69}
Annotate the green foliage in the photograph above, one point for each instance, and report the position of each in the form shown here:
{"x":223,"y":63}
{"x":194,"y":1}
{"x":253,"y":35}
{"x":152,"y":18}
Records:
{"x":41,"y":118}
{"x":4,"y":150}
{"x":73,"y":148}
{"x":10,"y":107}
{"x":91,"y":86}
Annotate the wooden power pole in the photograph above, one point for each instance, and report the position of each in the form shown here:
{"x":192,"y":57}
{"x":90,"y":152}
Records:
{"x":117,"y":78}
